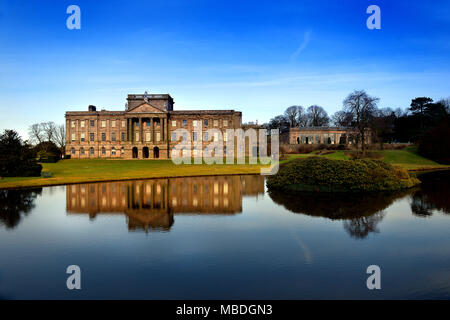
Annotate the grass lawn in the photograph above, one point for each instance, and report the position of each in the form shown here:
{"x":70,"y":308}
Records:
{"x":92,"y":170}
{"x":407,"y":158}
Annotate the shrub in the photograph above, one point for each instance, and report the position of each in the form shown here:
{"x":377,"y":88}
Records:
{"x":435,"y":144}
{"x":322,"y":174}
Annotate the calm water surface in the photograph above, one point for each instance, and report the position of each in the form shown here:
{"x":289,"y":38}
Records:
{"x":223,"y":237}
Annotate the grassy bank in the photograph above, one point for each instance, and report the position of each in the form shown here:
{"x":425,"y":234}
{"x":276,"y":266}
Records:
{"x":407,"y":158}
{"x":95,"y":170}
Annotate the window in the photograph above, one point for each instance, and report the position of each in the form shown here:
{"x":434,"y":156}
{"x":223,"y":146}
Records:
{"x":158,"y":136}
{"x":194,"y":136}
{"x":103,"y":136}
{"x":205,"y":123}
{"x":103,"y":123}
{"x":91,"y":137}
{"x":73,"y":137}
{"x":216,"y":136}
{"x":185,"y":136}
{"x":225,"y":137}
{"x":123,"y":123}
{"x":82,"y":137}
{"x":113,"y":123}
{"x":73,"y":150}
{"x":113,"y":151}
{"x":103,"y":150}
{"x":174,"y":123}
{"x":216,"y":123}
{"x":92,"y":123}
{"x":91,"y":151}
{"x":113,"y":136}
{"x":82,"y":123}
{"x":73,"y":124}
{"x":184,"y":123}
{"x":123,"y":136}
{"x":174,"y":136}
{"x":205,"y":136}
{"x":82,"y":151}
{"x":137,"y":136}
{"x":225,"y":123}
{"x":147,"y":123}
{"x":147,"y":136}
{"x":122,"y":151}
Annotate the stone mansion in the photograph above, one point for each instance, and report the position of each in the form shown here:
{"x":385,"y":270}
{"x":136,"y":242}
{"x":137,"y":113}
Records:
{"x":142,"y":131}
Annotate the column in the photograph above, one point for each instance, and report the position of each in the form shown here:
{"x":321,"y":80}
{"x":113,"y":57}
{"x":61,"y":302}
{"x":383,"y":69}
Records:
{"x":140,"y":129}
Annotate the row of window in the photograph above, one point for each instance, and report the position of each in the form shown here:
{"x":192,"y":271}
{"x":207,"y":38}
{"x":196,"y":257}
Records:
{"x":103,"y":124}
{"x":113,"y":136}
{"x":206,"y":136}
{"x":196,"y":123}
{"x":92,"y":136}
{"x":103,"y":151}
{"x":83,"y":123}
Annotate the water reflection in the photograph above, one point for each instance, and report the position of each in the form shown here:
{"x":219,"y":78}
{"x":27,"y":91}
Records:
{"x":432,"y":195}
{"x":16,"y":203}
{"x":361,"y":213}
{"x":151,"y":204}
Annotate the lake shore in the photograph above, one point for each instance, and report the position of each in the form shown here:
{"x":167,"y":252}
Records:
{"x":101,"y":170}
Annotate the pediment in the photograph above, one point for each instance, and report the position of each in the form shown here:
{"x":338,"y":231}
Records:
{"x":146,"y":107}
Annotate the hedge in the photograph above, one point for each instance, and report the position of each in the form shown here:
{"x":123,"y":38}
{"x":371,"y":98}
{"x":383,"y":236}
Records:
{"x":327,"y":175}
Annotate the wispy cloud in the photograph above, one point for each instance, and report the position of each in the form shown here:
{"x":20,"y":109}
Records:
{"x":303,"y":45}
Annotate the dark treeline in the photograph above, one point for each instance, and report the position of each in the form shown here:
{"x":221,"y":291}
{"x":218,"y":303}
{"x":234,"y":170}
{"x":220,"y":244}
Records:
{"x":17,"y":157}
{"x":425,"y":122}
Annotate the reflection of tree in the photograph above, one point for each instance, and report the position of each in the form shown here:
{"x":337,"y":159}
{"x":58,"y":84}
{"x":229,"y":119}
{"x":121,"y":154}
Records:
{"x":361,"y":212}
{"x":15,"y":203}
{"x":434,"y":194}
{"x":360,"y":228}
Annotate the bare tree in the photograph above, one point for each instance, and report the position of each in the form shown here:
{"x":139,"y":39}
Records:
{"x":291,"y":114}
{"x":317,"y":116}
{"x":36,"y":133}
{"x":49,"y":129}
{"x":363,"y":108}
{"x":342,"y":119}
{"x":59,"y":137}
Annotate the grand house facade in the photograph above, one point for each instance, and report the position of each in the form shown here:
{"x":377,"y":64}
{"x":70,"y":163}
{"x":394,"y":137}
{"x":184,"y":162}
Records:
{"x":323,"y":135}
{"x":144,"y":130}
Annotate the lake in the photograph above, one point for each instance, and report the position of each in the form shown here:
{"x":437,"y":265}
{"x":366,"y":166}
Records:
{"x":223,"y":237}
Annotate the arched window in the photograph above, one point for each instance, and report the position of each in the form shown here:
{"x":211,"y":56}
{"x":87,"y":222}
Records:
{"x":91,"y":151}
{"x":122,"y":151}
{"x":103,"y":150}
{"x":73,"y":150}
{"x":113,"y":151}
{"x":81,"y":151}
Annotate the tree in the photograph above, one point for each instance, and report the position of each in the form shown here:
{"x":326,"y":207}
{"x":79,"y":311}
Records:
{"x":279,"y":122}
{"x":48,"y":132}
{"x":418,"y":107}
{"x":17,"y":159}
{"x":317,"y":116}
{"x":291,"y":114}
{"x":59,"y":138}
{"x":363,"y":108}
{"x":36,"y":133}
{"x":342,"y":119}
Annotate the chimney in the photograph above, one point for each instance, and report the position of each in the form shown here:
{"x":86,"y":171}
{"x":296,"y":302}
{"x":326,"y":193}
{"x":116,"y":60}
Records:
{"x":92,"y":108}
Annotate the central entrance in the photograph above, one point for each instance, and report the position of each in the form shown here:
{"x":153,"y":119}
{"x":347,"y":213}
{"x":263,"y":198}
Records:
{"x":145,"y":152}
{"x":156,"y":152}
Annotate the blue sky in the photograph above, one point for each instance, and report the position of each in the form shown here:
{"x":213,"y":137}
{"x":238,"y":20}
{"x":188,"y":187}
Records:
{"x":258,"y":57}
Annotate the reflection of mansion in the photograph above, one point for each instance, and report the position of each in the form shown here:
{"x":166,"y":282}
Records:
{"x":151,"y":204}
{"x":145,"y":130}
